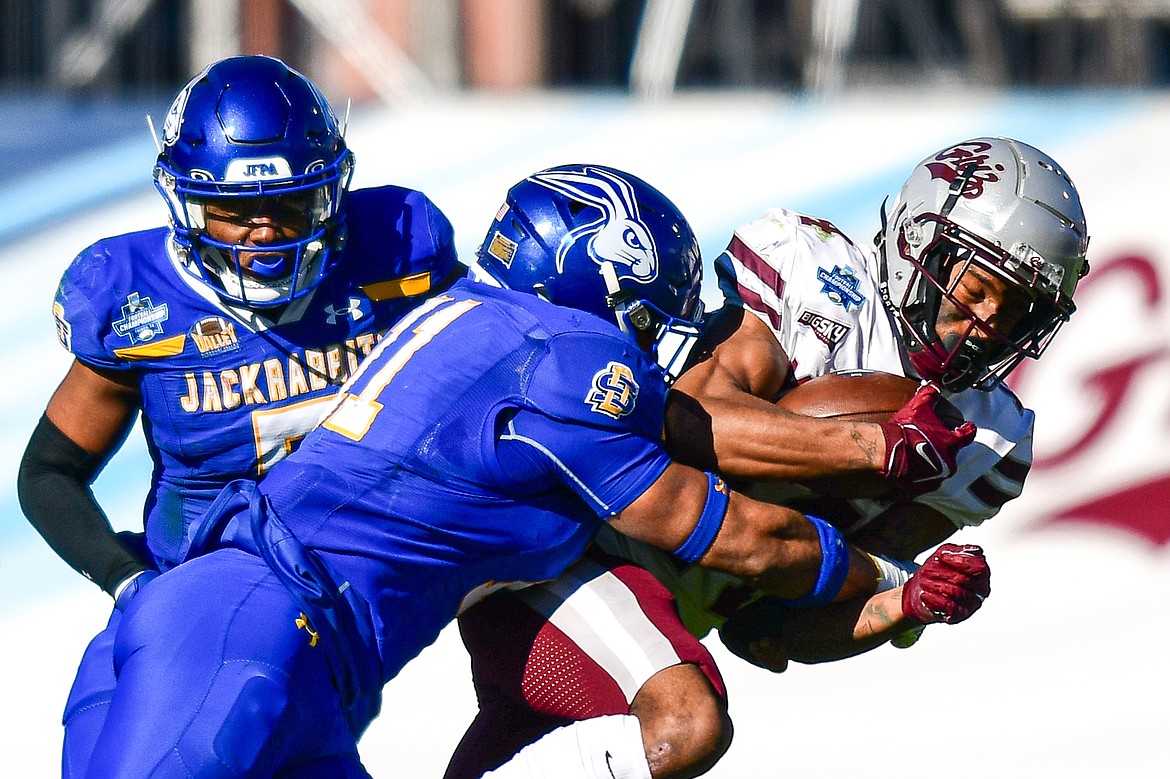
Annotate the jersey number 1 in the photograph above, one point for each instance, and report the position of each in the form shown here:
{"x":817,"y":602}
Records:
{"x":353,"y":414}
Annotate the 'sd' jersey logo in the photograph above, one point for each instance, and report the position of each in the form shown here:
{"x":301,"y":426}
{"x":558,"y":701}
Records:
{"x":618,"y":235}
{"x":614,"y":391}
{"x":840,"y":286}
{"x":970,"y":160}
{"x":141,"y":319}
{"x":214,"y":335}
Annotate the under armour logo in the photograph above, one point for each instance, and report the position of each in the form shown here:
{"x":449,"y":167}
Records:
{"x":353,"y":311}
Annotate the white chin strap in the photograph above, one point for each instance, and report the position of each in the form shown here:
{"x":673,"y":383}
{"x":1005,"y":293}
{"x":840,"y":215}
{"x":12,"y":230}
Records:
{"x":612,"y":287}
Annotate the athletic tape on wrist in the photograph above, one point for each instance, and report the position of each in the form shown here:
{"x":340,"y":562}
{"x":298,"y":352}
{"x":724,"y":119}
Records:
{"x":892,"y":573}
{"x":714,"y":510}
{"x":834,"y":567}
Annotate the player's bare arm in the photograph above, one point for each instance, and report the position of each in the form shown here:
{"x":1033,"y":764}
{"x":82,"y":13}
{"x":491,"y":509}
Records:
{"x":949,"y":587}
{"x":775,"y":549}
{"x":94,"y":408}
{"x":720,"y":416}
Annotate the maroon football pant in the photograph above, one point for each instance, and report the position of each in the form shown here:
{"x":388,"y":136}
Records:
{"x":577,"y":647}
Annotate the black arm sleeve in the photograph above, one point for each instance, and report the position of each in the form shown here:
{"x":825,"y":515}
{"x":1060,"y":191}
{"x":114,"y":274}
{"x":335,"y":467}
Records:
{"x":53,"y":488}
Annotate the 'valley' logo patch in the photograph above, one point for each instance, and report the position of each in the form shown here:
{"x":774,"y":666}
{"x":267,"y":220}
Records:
{"x":215,"y":335}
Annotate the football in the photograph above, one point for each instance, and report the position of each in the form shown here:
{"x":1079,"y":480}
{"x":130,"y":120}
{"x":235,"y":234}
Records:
{"x":870,"y":396}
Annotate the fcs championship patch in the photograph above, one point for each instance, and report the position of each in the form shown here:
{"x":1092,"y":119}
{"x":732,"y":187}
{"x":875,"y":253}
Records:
{"x":614,"y":391}
{"x":141,"y":319}
{"x":840,"y":286}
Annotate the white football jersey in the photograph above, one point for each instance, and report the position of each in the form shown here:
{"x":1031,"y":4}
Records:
{"x":817,"y":292}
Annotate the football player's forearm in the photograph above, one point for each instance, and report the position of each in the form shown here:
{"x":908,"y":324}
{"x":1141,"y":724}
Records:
{"x":748,"y":438}
{"x":784,"y":553}
{"x":53,"y":489}
{"x":769,"y":633}
{"x":846,"y":629}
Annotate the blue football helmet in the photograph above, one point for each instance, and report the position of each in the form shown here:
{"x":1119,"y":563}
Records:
{"x":602,"y":241}
{"x":251,"y":136}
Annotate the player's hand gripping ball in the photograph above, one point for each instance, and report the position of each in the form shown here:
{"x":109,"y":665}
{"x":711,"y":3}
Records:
{"x":922,"y":431}
{"x":921,"y":447}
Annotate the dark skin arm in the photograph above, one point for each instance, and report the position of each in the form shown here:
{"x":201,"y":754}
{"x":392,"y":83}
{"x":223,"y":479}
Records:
{"x":767,"y":634}
{"x":95,"y":408}
{"x":773,"y":548}
{"x":720,"y":417}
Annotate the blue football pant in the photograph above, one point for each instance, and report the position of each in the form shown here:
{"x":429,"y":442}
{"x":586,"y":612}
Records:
{"x":89,"y":700}
{"x":215,"y":679}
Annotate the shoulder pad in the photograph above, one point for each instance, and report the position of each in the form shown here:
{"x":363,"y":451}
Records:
{"x":397,"y":232}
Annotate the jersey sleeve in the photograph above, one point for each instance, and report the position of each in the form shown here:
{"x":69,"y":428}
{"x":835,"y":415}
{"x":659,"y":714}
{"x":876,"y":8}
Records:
{"x":991,"y":471}
{"x":83,"y":323}
{"x":592,"y":417}
{"x":410,"y":237}
{"x":814,"y":289}
{"x":433,"y":235}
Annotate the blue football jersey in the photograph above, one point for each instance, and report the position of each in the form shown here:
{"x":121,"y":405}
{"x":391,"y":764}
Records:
{"x":486,"y":441}
{"x":227,"y":394}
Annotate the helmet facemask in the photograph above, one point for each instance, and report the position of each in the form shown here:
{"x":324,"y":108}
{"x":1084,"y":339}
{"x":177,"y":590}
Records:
{"x":250,"y":144}
{"x":986,"y":219}
{"x":265,"y":275}
{"x":979,"y":353}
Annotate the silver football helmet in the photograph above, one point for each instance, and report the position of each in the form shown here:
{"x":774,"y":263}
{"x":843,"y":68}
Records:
{"x":1006,"y":207}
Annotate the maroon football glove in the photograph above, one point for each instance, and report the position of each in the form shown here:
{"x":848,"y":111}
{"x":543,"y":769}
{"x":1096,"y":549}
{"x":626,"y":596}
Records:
{"x":949,"y":587}
{"x":920,"y":447}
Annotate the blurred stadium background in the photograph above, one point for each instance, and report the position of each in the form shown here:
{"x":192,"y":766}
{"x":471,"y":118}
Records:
{"x":729,"y":106}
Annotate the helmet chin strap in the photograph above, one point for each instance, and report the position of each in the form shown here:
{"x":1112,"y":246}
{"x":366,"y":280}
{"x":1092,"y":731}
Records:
{"x":628,"y":312}
{"x":673,"y":339}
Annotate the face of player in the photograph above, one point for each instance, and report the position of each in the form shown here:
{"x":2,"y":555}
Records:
{"x":259,"y":222}
{"x":985,"y":295}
